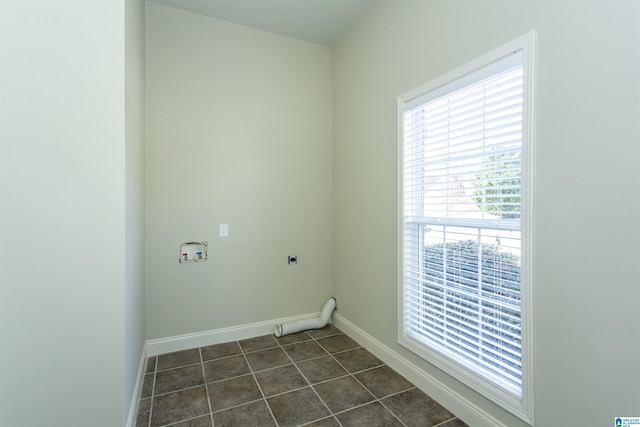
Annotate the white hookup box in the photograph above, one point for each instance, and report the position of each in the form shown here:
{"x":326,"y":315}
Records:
{"x":193,"y":251}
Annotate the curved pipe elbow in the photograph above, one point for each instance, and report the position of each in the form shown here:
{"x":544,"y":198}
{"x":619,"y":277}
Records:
{"x":307,"y":324}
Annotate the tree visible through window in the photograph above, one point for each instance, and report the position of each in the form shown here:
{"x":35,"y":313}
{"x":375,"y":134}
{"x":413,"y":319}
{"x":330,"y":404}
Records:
{"x":498,"y":186}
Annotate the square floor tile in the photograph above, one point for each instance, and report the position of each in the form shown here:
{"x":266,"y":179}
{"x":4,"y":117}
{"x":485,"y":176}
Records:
{"x":217,"y":351}
{"x":258,"y":343}
{"x":373,"y":414}
{"x":228,"y":367}
{"x":151,"y":365}
{"x":265,"y":359}
{"x":297,"y":407}
{"x":321,"y":369}
{"x":383,"y":381}
{"x":144,"y":410}
{"x":292,"y":338}
{"x":416,"y":409}
{"x":304,"y":350}
{"x":178,"y":358}
{"x":280,"y":380}
{"x":178,"y":379}
{"x":357,"y":360}
{"x":337,"y":343}
{"x":343,"y":393}
{"x":179,"y":406}
{"x":251,"y":414}
{"x":233,"y":392}
{"x":147,"y":386}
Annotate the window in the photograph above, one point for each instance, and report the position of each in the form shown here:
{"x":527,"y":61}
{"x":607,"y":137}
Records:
{"x":465,"y":224}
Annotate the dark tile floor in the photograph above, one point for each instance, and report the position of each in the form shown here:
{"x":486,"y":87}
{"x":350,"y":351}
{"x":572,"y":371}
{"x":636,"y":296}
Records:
{"x":320,"y":378}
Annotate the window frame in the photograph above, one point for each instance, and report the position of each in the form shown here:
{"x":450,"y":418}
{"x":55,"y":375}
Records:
{"x":522,"y":407}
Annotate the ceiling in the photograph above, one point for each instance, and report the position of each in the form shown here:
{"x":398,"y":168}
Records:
{"x":317,"y":21}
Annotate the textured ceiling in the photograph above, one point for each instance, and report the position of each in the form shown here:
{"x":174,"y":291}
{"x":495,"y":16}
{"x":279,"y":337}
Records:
{"x":317,"y":21}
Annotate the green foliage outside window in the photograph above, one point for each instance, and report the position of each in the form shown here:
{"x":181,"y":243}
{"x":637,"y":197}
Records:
{"x":498,"y":186}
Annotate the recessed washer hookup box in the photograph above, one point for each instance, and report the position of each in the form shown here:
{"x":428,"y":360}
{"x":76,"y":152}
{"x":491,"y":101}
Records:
{"x":193,"y":251}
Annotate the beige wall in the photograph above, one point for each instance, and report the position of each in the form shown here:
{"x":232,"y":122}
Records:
{"x":134,"y":328}
{"x":587,"y":178}
{"x":238,"y":132}
{"x":67,"y":163}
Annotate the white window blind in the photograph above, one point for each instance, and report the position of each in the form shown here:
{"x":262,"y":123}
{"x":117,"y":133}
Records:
{"x":461,"y":214}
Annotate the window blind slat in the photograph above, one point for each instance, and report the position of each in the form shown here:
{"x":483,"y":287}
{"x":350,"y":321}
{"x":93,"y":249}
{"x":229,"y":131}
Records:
{"x":461,"y":210}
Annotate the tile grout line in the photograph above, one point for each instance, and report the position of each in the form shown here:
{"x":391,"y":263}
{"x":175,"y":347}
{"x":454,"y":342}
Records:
{"x":153,"y":388}
{"x":376,"y":399}
{"x":379,"y":400}
{"x":349,"y":374}
{"x":217,"y":411}
{"x":390,"y":411}
{"x":288,"y":391}
{"x":180,"y":366}
{"x":331,"y":415}
{"x":206,"y":387}
{"x":175,"y":423}
{"x":322,"y":419}
{"x":445,"y":421}
{"x":264,"y":398}
{"x":330,"y":379}
{"x":182,"y":389}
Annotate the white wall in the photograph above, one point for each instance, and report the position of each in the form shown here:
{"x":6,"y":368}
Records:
{"x":64,"y":215}
{"x":587,"y":180}
{"x":238,"y":132}
{"x":134,"y":331}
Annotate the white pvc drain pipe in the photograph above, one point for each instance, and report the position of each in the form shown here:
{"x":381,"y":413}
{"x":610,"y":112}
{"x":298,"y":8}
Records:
{"x":306,"y":324}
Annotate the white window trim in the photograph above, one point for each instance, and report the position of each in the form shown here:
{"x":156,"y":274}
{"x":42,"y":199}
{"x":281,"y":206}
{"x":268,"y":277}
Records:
{"x":520,"y":407}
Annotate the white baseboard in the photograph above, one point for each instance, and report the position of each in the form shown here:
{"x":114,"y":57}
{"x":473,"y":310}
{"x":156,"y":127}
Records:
{"x":137,"y":390}
{"x":217,"y":336}
{"x":454,"y":402}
